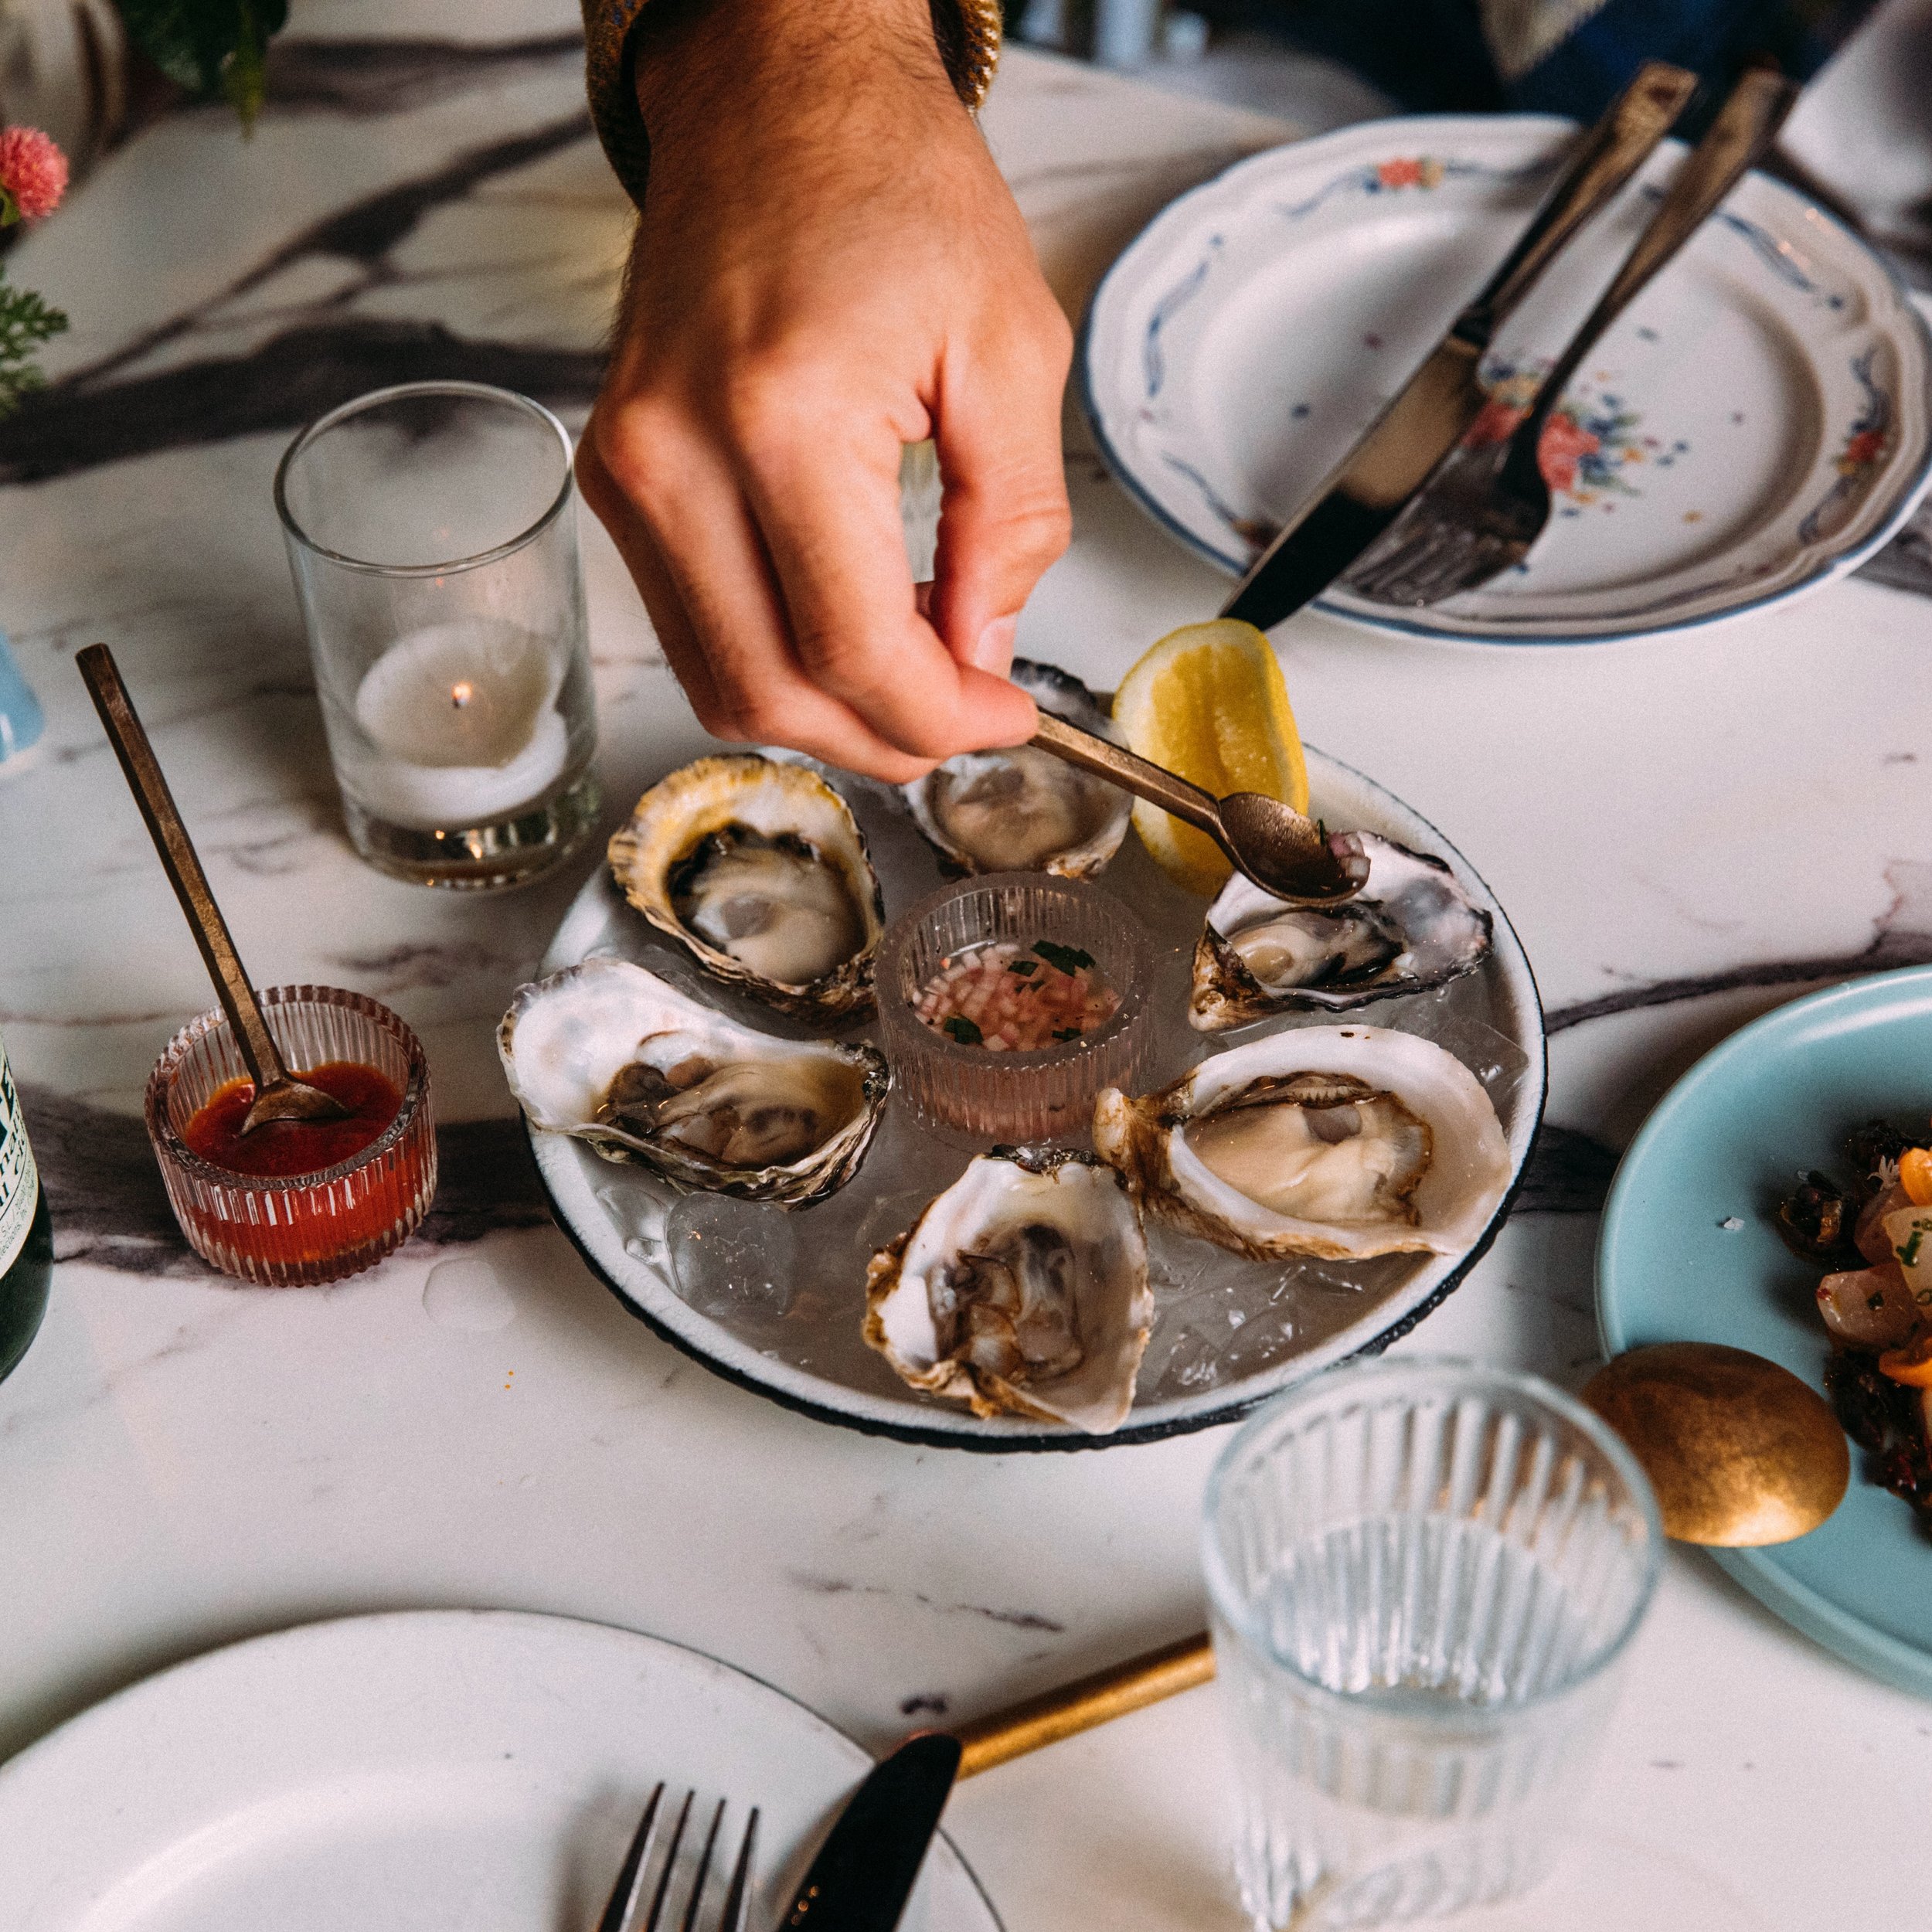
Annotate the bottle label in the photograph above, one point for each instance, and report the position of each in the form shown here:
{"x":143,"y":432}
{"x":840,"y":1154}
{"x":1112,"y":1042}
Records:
{"x":19,"y":1179}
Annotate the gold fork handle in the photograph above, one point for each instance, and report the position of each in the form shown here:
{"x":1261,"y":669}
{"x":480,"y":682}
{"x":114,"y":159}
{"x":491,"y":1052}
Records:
{"x":1604,"y":159}
{"x":1746,"y":126}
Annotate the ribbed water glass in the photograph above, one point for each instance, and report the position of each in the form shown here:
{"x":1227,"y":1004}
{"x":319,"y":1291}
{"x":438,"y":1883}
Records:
{"x":1423,"y":1575}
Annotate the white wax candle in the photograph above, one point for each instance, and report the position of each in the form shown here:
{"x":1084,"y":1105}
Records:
{"x":462,"y":725}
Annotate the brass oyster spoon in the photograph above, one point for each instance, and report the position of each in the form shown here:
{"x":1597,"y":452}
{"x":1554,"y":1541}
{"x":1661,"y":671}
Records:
{"x":1740,"y":1451}
{"x":1284,"y":853}
{"x":277,"y":1095}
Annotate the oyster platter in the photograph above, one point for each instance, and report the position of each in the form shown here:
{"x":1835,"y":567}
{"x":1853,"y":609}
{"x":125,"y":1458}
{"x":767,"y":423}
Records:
{"x":782,"y":1146}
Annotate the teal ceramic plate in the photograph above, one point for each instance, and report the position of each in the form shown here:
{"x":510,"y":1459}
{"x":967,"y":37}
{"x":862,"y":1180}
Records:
{"x":1778,"y":1096}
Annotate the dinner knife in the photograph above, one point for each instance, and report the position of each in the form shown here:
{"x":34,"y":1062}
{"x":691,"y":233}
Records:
{"x":866,"y":1868}
{"x":1364,"y":492}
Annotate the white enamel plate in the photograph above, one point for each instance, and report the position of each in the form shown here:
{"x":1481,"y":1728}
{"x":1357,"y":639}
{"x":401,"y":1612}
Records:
{"x":773,"y":1300}
{"x":1756,"y":424}
{"x":429,"y":1771}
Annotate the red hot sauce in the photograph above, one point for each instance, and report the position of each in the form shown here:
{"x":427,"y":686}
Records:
{"x":282,"y":1148}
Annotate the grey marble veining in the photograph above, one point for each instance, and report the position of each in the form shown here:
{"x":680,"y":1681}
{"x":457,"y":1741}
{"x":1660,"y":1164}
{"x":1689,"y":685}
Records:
{"x":1684,"y":832}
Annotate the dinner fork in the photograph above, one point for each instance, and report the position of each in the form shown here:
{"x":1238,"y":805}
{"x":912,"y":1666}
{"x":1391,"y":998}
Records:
{"x":619,"y":1914}
{"x":1488,"y":502}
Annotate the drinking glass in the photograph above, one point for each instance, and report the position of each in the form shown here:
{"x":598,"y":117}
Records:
{"x":1423,"y":1576}
{"x":431,"y":529}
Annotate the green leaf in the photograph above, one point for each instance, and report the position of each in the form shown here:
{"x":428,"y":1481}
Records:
{"x":25,"y":322}
{"x":962,"y":1029}
{"x":216,"y":47}
{"x":1069,"y":959}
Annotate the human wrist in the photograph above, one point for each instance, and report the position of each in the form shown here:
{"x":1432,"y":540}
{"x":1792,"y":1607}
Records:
{"x":692,"y":58}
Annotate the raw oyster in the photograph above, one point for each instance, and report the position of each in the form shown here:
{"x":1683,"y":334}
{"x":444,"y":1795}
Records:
{"x":1342,"y":1141}
{"x":1412,"y":927}
{"x":1022,"y":1288}
{"x":1021,"y":809}
{"x":758,"y":868}
{"x":611,"y":1053}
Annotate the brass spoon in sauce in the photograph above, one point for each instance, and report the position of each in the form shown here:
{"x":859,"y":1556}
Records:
{"x":1740,"y":1452}
{"x":1283,"y":852}
{"x":278,"y":1097}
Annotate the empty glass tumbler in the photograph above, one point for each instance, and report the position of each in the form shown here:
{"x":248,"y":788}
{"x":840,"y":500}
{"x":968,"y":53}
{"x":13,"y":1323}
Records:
{"x":431,"y":529}
{"x":1423,"y":1575}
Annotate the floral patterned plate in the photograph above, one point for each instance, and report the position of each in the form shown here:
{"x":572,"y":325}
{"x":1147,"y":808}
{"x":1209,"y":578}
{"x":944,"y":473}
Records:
{"x":1756,"y":424}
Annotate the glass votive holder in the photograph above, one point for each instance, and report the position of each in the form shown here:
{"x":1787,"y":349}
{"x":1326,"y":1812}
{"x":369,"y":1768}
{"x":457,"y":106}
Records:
{"x":431,"y":529}
{"x":1423,"y":1576}
{"x":1044,"y":1094}
{"x":296,"y":1230}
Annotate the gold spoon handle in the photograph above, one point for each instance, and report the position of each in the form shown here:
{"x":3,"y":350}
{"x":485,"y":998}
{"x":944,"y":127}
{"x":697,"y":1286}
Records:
{"x":1097,"y":1699}
{"x":183,"y":869}
{"x":1138,"y":775}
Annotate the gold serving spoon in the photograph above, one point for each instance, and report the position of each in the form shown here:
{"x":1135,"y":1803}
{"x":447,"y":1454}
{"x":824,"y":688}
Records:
{"x":1295,"y":858}
{"x":277,"y":1095}
{"x":1740,"y":1452}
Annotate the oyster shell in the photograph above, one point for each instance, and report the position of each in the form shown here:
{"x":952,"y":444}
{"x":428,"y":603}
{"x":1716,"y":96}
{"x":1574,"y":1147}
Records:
{"x":758,"y":868}
{"x":1342,"y":1141}
{"x":612,"y":1054}
{"x":1022,"y":1288}
{"x":1020,"y":809}
{"x":1412,"y":927}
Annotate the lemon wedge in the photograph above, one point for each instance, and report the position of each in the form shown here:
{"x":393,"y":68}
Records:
{"x":1209,"y":701}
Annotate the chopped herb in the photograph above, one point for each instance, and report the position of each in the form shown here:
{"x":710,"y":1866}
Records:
{"x":1909,"y":1254}
{"x":1067,"y":1033}
{"x":1023,"y":966}
{"x":1069,"y":959}
{"x":963,"y":1030}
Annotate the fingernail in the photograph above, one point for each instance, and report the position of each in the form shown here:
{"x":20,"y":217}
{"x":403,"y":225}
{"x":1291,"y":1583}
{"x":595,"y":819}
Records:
{"x":994,"y":652}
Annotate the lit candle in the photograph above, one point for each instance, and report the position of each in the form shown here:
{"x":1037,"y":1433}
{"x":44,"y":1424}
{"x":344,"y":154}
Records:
{"x":462,"y":724}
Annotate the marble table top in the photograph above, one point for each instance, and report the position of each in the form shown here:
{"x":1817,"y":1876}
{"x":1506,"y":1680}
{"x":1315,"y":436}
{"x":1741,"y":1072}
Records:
{"x":1684,"y":832}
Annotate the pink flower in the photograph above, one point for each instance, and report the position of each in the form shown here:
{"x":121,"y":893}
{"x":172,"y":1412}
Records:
{"x":1564,"y":439}
{"x":33,"y":175}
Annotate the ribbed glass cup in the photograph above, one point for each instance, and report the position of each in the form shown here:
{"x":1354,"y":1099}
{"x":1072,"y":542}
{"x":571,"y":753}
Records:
{"x":300,"y":1229}
{"x":1043,"y":1096}
{"x":1423,"y":1575}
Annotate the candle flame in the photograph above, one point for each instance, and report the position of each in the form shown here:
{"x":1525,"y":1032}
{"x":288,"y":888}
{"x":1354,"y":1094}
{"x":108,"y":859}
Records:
{"x":462,"y":693}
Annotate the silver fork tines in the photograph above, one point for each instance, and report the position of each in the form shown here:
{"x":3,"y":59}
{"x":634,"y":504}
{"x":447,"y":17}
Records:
{"x":619,"y":1914}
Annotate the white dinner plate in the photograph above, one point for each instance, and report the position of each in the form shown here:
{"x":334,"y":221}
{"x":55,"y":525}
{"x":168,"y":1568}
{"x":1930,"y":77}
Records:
{"x":1756,"y":424}
{"x":426,"y":1771}
{"x":773,"y":1300}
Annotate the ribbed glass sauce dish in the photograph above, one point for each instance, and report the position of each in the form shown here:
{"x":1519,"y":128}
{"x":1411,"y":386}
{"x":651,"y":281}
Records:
{"x":299,"y":1229}
{"x":1047,"y":1094}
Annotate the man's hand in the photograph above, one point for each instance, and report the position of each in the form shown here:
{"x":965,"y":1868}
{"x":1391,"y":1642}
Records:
{"x":828,"y":266}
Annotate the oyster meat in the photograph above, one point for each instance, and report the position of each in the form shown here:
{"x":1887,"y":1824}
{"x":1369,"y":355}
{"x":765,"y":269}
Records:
{"x":1412,"y":927}
{"x":758,"y":868}
{"x":1022,"y":1288}
{"x":612,"y":1054}
{"x":1021,"y":809}
{"x":1342,"y":1141}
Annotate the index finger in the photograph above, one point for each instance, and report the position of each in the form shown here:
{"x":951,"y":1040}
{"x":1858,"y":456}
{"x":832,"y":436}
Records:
{"x":827,"y":509}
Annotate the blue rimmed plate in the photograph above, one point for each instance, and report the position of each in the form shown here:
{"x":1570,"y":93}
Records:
{"x":1688,"y":1254}
{"x":1757,"y":425}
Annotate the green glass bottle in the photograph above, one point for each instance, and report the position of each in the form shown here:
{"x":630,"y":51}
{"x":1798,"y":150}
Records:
{"x":26,"y":1232}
